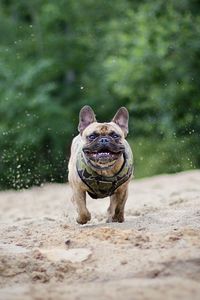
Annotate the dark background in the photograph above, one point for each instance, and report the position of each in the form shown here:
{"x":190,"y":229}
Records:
{"x":56,"y":56}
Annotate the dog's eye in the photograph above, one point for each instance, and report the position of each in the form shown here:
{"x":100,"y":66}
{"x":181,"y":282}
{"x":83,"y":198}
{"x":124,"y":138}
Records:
{"x":115,"y":135}
{"x":92,"y":136}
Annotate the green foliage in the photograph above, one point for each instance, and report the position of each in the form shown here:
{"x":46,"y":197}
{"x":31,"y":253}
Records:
{"x":152,"y":156}
{"x":57,"y":56}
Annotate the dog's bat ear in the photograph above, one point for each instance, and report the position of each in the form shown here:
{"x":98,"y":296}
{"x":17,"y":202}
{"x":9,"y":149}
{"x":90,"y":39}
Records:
{"x":121,"y":119}
{"x":86,"y":117}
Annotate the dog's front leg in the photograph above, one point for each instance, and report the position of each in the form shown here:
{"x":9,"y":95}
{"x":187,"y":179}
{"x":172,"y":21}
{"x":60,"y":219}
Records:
{"x":79,"y":198}
{"x":117,"y":203}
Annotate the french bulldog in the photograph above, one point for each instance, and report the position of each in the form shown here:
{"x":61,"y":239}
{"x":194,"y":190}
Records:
{"x":101,"y":163}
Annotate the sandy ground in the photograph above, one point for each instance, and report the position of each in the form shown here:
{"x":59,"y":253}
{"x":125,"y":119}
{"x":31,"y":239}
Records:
{"x":154,"y":254}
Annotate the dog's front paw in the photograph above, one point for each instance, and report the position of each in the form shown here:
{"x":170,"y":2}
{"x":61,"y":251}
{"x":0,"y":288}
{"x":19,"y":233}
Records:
{"x":83,"y":218}
{"x":116,"y":218}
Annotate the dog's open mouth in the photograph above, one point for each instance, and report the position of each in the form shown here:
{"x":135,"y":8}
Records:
{"x":103,"y":154}
{"x":102,"y":157}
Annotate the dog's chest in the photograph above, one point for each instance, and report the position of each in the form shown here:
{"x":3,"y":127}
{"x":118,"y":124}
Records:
{"x":104,"y":186}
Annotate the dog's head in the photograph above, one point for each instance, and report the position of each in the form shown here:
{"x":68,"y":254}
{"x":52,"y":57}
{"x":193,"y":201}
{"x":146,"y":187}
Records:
{"x":103,"y":143}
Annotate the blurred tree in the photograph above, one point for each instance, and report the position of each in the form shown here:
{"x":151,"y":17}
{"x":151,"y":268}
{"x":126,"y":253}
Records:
{"x":57,"y":56}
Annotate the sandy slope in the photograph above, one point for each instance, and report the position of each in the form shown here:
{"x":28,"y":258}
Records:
{"x":155,"y":254}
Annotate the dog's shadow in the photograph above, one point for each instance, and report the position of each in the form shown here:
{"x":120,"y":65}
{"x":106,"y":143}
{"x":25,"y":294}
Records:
{"x":141,"y":223}
{"x":129,"y":224}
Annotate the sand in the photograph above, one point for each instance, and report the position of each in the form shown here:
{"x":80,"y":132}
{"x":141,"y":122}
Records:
{"x":154,"y":254}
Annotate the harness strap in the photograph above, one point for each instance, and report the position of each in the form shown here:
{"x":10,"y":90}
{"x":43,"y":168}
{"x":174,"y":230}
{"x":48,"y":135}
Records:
{"x":104,"y":186}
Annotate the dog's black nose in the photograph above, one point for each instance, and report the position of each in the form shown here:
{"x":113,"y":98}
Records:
{"x":104,"y":140}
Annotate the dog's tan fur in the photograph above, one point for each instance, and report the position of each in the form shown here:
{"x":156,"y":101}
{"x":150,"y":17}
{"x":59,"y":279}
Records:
{"x":118,"y":199}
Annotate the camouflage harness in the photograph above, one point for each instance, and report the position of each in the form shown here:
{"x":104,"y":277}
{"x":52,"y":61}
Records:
{"x":104,"y":186}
